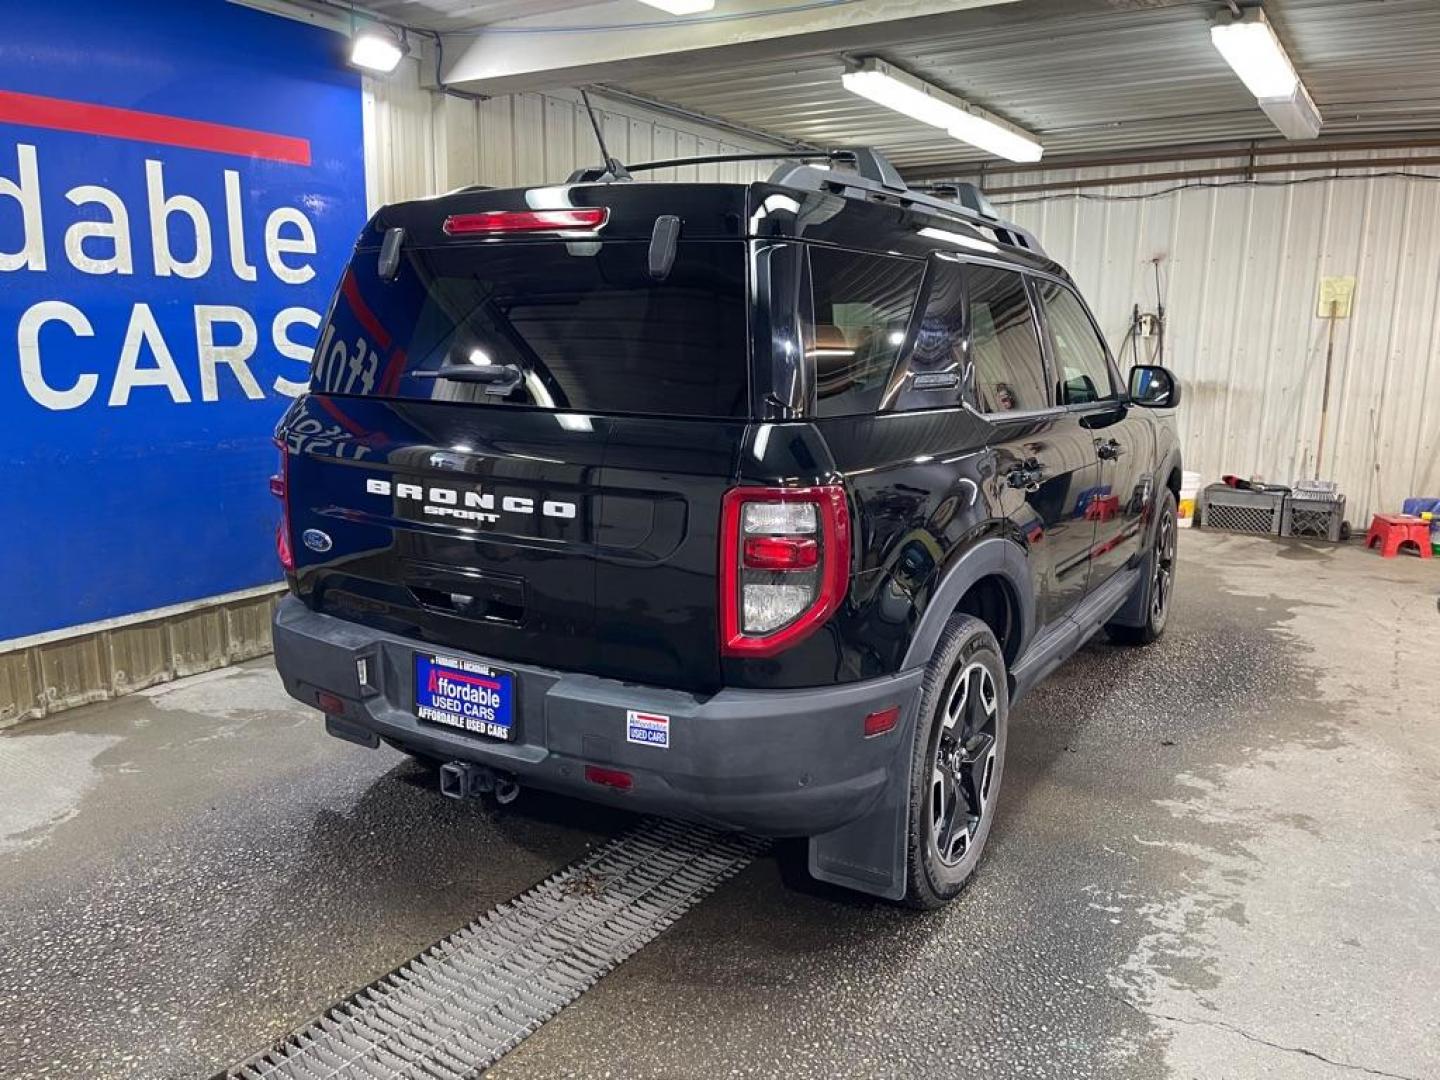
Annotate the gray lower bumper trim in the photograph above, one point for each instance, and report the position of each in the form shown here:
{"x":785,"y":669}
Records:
{"x":777,"y":762}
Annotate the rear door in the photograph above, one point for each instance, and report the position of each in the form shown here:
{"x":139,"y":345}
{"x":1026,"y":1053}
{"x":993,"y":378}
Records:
{"x":1087,"y":386}
{"x":1044,"y":462}
{"x":560,"y":512}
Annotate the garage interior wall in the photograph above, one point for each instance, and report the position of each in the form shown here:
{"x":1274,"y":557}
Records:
{"x":420,"y":142}
{"x":1241,"y":267}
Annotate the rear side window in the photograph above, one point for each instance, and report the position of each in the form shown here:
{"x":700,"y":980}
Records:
{"x":1005,"y":343}
{"x":862,"y":304}
{"x":935,"y":371}
{"x":1082,"y":370}
{"x":581,"y":325}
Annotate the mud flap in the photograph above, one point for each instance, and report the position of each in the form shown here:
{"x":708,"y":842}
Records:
{"x":868,"y":854}
{"x":1135,"y":611}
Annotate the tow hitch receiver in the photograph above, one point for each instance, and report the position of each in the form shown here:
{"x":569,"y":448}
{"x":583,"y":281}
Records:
{"x":467,"y":780}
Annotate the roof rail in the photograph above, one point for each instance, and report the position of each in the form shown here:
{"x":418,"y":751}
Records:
{"x":873,"y":175}
{"x":863,"y":171}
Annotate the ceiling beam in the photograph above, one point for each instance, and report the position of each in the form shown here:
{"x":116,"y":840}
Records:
{"x":607,"y":43}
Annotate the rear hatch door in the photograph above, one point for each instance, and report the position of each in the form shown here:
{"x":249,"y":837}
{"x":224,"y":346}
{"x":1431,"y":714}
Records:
{"x":559,"y":508}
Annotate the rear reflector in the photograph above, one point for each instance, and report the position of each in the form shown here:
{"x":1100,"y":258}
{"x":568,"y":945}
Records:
{"x":494,"y":222}
{"x":611,"y":778}
{"x":878,"y":723}
{"x":329,"y":702}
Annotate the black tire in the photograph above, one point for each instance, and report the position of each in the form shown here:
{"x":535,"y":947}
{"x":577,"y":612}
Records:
{"x":1159,"y":581}
{"x":964,"y":713}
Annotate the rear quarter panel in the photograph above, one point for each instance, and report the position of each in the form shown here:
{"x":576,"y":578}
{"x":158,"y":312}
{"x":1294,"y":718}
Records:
{"x":920,"y":497}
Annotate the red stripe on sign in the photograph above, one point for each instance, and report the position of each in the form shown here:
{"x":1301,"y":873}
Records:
{"x":32,"y":110}
{"x":376,"y":439}
{"x":350,"y":290}
{"x":474,"y":680}
{"x":390,"y":377}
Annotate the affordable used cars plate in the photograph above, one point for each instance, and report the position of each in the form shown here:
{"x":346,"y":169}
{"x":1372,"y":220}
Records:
{"x":466,"y":695}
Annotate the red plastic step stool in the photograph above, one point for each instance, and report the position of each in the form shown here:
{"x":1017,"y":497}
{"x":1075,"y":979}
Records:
{"x":1394,"y":531}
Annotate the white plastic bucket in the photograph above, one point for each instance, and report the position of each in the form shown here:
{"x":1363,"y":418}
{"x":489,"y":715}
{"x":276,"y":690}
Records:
{"x":1189,"y":489}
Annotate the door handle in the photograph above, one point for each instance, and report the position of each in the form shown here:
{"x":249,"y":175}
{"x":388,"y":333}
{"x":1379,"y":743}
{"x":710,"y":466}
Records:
{"x":1107,"y":451}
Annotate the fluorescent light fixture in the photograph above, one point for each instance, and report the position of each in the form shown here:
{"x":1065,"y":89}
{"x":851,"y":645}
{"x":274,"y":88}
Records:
{"x":899,"y":90}
{"x":996,"y":137}
{"x":538,"y":393}
{"x":1295,"y":116}
{"x":682,"y":7}
{"x":374,"y":48}
{"x":1250,"y":47}
{"x":905,"y":94}
{"x":959,"y":240}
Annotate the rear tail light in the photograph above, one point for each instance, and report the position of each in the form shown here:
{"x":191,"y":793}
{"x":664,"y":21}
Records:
{"x":784,"y":565}
{"x":583,"y":219}
{"x":280,"y":488}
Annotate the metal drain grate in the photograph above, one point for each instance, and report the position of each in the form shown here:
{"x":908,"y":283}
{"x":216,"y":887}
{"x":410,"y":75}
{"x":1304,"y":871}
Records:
{"x":458,"y":1007}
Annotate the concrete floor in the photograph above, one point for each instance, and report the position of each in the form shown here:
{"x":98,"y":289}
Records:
{"x":1218,"y":857}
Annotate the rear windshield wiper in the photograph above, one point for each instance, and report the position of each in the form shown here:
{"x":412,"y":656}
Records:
{"x":497,"y":379}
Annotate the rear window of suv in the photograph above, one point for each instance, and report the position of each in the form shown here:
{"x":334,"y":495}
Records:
{"x":579,"y":326}
{"x":861,"y":306}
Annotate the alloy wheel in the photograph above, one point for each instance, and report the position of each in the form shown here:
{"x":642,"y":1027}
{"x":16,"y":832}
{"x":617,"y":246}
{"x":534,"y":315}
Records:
{"x":1164,"y":574}
{"x":963,"y":766}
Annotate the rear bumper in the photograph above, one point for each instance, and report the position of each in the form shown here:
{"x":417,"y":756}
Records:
{"x":779,"y":763}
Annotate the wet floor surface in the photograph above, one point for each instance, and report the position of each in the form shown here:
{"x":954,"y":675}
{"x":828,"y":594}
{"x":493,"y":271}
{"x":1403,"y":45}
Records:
{"x":1217,"y":857}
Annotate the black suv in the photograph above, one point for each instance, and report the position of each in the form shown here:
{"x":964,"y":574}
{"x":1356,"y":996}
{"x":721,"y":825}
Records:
{"x":754,"y":504}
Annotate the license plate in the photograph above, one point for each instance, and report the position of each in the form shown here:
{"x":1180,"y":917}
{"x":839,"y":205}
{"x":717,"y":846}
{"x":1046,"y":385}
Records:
{"x":464,"y":694}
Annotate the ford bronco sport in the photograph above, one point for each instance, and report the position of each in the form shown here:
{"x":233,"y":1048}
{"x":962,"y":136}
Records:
{"x":753,"y":504}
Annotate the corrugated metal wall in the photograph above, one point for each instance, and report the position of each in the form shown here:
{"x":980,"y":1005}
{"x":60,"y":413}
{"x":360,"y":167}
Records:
{"x":1241,"y":268}
{"x":425,"y":143}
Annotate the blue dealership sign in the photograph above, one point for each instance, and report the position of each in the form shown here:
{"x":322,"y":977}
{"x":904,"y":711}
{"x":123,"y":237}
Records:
{"x":181,"y":182}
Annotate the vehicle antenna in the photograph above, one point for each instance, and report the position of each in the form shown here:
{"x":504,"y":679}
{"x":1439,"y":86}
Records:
{"x":616,"y":170}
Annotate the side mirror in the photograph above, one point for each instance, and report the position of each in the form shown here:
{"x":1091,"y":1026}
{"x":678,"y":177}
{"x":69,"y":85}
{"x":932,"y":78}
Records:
{"x":1154,"y":387}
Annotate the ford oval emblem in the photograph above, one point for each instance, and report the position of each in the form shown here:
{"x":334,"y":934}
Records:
{"x":316,"y":540}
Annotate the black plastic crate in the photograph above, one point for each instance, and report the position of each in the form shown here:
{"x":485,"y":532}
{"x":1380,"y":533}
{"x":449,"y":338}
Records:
{"x":1237,"y":510}
{"x":1313,"y":515}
